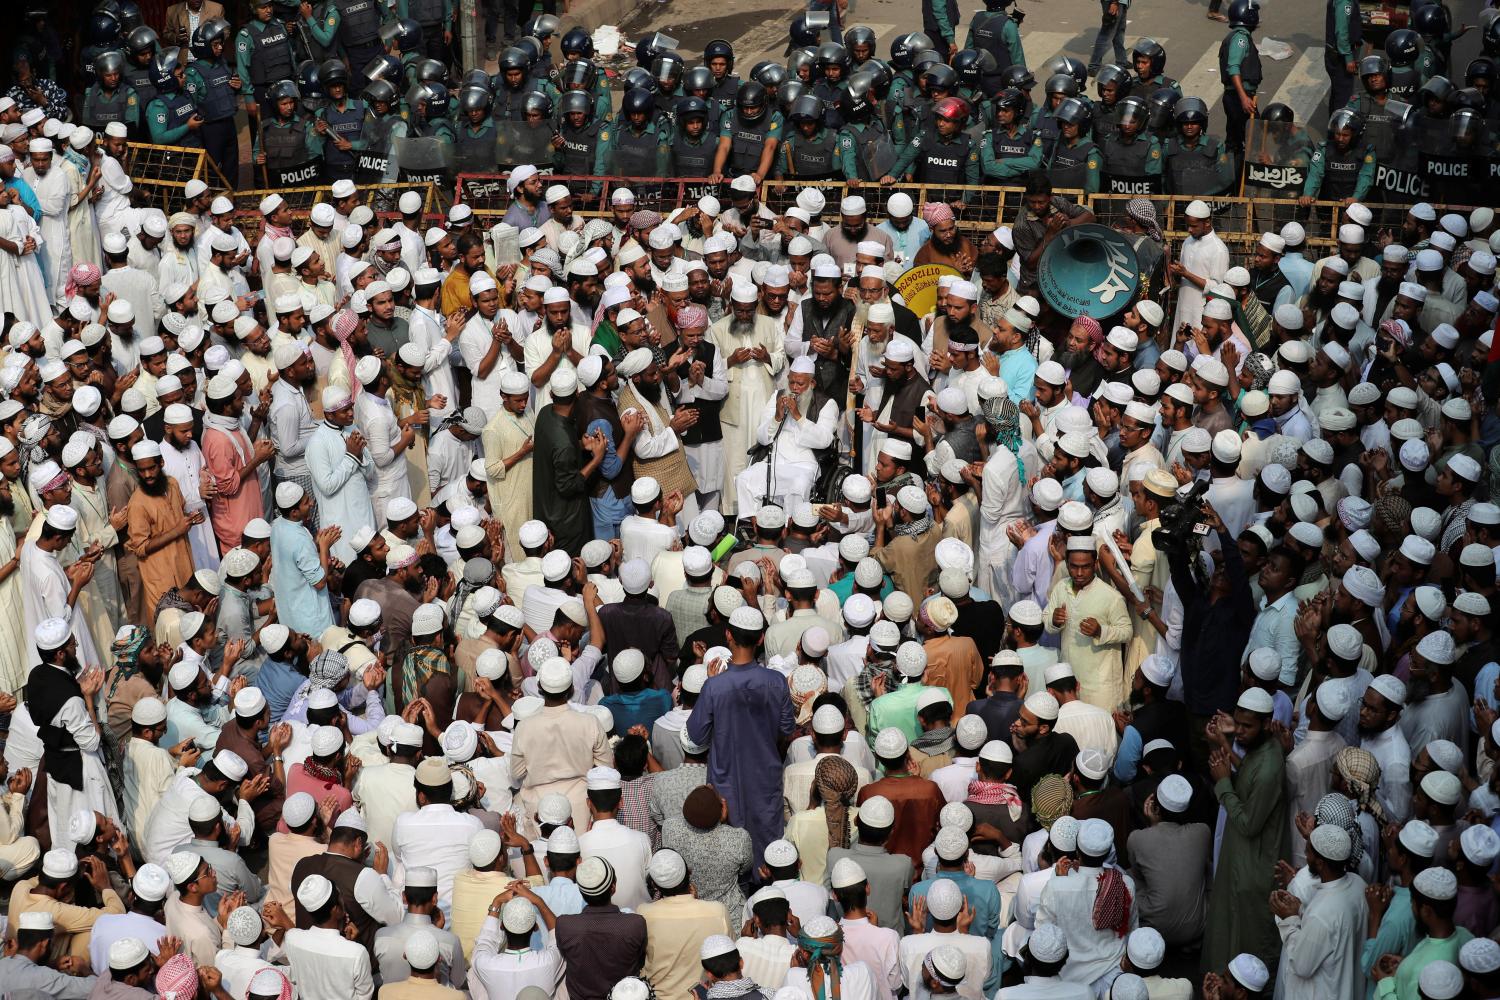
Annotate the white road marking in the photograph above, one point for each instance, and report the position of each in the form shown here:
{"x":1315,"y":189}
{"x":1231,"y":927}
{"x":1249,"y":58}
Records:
{"x":1202,"y":80}
{"x":1305,"y":89}
{"x":1042,"y":46}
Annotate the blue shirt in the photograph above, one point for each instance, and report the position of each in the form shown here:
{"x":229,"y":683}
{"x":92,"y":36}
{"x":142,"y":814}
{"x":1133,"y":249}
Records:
{"x":278,"y":681}
{"x":28,"y":197}
{"x":983,"y":897}
{"x":1298,"y":270}
{"x":1018,"y":369}
{"x":296,"y":570}
{"x":631,"y":708}
{"x":908,"y":241}
{"x":1274,"y":628}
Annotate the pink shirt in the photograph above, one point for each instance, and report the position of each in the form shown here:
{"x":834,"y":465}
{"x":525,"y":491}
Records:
{"x":298,"y":780}
{"x":876,"y":947}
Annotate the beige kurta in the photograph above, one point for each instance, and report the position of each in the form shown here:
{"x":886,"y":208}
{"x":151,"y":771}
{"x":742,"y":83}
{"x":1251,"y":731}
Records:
{"x":1150,"y":569}
{"x":1098,"y":662}
{"x":13,"y":667}
{"x":83,"y":231}
{"x":509,"y":489}
{"x":102,"y":601}
{"x":751,"y":384}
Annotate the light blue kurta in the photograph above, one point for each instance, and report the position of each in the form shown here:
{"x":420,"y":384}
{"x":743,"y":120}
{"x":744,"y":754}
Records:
{"x":341,"y":483}
{"x":296,"y":571}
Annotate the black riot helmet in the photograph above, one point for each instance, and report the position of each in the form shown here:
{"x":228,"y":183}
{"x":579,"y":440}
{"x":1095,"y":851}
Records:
{"x":938,"y":76}
{"x":1133,"y":110}
{"x":769,"y":74}
{"x":1490,"y":41}
{"x":405,"y":33}
{"x":429,"y":100}
{"x":1011,"y":99}
{"x":1162,"y":102}
{"x":308,"y":79}
{"x":380,"y":91}
{"x":576,"y":102}
{"x":803,"y":34}
{"x":856,"y":101}
{"x":750,"y":101}
{"x":577,"y":42}
{"x":1061,"y":83}
{"x":1403,"y":46}
{"x":431,"y":71}
{"x":904,"y":48}
{"x":971,"y":64}
{"x":1482,"y":68}
{"x":860,"y":35}
{"x":640,"y":78}
{"x":807,"y":108}
{"x":477,"y":77}
{"x":653,"y":45}
{"x":166,"y":63}
{"x":833,"y":54}
{"x":1431,"y":20}
{"x":1278,"y":112}
{"x":1075,"y":111}
{"x":667,"y":69}
{"x":1466,"y":127}
{"x":1467,"y":97}
{"x":1374,"y":65}
{"x":698,"y":78}
{"x":112,"y":61}
{"x":719,"y":49}
{"x":880,"y":71}
{"x":128,"y":13}
{"x":384,"y":67}
{"x":923,"y":60}
{"x":637,"y":101}
{"x":692,"y":107}
{"x":1069,"y":66}
{"x":536,"y":101}
{"x":1150,"y":48}
{"x":580,"y":74}
{"x":1190,"y":111}
{"x":1243,"y":14}
{"x":207,"y":33}
{"x":1018,"y":77}
{"x":994,"y":5}
{"x":141,"y":39}
{"x":102,"y":29}
{"x":283,"y":89}
{"x":1346,"y":118}
{"x":514,"y":58}
{"x":472,"y":98}
{"x":1112,"y":73}
{"x":788,"y":93}
{"x":1439,"y":88}
{"x":800,"y":58}
{"x":332,"y":71}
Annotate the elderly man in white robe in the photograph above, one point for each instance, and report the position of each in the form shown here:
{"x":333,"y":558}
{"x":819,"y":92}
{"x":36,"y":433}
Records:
{"x":1204,"y":258}
{"x":754,"y":351}
{"x":182,"y":459}
{"x":796,"y":428}
{"x":388,"y":439}
{"x":56,"y":193}
{"x":338,"y":461}
{"x":48,"y":590}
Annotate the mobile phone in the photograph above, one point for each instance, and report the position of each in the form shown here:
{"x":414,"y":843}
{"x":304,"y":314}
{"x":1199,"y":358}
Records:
{"x":849,"y":269}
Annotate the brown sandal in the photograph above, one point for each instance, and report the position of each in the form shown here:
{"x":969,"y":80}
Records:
{"x":1216,"y":16}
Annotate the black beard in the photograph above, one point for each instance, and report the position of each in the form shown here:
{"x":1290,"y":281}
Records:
{"x":157,"y":488}
{"x":7,"y":506}
{"x":952,"y":244}
{"x":1417,"y":690}
{"x":566,"y":324}
{"x":646,"y":286}
{"x":650,"y":390}
{"x":310,"y":380}
{"x":1071,"y":359}
{"x":1320,"y":301}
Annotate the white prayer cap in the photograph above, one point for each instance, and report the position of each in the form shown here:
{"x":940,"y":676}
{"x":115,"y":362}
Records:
{"x":1247,"y":970}
{"x":314,"y":892}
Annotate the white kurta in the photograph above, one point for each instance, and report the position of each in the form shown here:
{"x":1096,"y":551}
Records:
{"x":140,"y":289}
{"x":1320,"y":946}
{"x":474,"y":344}
{"x":377,"y":422}
{"x":23,"y":293}
{"x":187,"y":467}
{"x":55,"y":193}
{"x":791,"y":472}
{"x":64,"y":800}
{"x":341,"y":484}
{"x":1207,"y":258}
{"x":1001,"y":505}
{"x":113,"y":207}
{"x":426,"y":331}
{"x":83,"y":231}
{"x":44,"y":592}
{"x":13,"y":645}
{"x":751,"y":383}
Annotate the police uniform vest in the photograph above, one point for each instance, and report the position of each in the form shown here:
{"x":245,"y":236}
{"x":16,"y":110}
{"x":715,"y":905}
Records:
{"x":693,"y":159}
{"x":284,"y":143}
{"x":344,"y":874}
{"x":1430,"y":133}
{"x":1145,"y":88}
{"x":348,"y":124}
{"x":1196,"y":170}
{"x":747,"y":140}
{"x":1340,"y":171}
{"x":1404,"y":81}
{"x":139,"y":79}
{"x":510,"y":105}
{"x":942,"y":161}
{"x":427,"y":13}
{"x":874,"y":153}
{"x":930,"y":22}
{"x":359,"y":22}
{"x":579,"y":146}
{"x":1105,"y":127}
{"x":828,"y":93}
{"x":707,"y":429}
{"x":814,"y":159}
{"x":632,"y":153}
{"x":271,"y":59}
{"x":1045,"y":125}
{"x":377,"y":132}
{"x":988,"y":28}
{"x":724,"y":92}
{"x":1380,"y":125}
{"x":830,"y":376}
{"x":1355,"y":28}
{"x":665,"y":115}
{"x":99,"y":110}
{"x":475,"y":146}
{"x":440,"y":128}
{"x":178,"y":107}
{"x":1126,"y":159}
{"x":1250,"y":71}
{"x":216,"y":101}
{"x":1011,"y":147}
{"x":1069,"y":167}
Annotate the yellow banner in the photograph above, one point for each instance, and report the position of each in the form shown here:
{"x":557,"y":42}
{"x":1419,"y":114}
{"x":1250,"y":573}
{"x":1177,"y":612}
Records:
{"x":919,"y":286}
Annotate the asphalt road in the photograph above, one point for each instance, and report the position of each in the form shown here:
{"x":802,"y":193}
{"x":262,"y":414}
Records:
{"x":758,"y":30}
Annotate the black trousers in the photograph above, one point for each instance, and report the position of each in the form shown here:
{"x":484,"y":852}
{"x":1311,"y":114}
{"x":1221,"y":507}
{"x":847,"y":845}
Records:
{"x":221,"y":140}
{"x":1340,"y":80}
{"x":1235,"y":121}
{"x":359,"y":58}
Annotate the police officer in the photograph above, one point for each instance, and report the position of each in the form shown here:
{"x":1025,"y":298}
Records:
{"x":1149,"y":59}
{"x":718,"y":56}
{"x":940,"y":23}
{"x":340,"y":122}
{"x":748,"y":137}
{"x":1112,"y":84}
{"x":1197,"y":164}
{"x":109,"y":98}
{"x":1480,"y":75}
{"x":403,"y":46}
{"x":263,"y":56}
{"x":939,"y":81}
{"x":359,"y":34}
{"x":474,"y":129}
{"x":942,"y":154}
{"x":904,"y":87}
{"x":1239,"y":68}
{"x":285,"y":139}
{"x":1342,"y":38}
{"x":436,"y":19}
{"x":582,"y":76}
{"x":972,"y":65}
{"x":577,"y":140}
{"x":385,"y":122}
{"x":429,"y":113}
{"x":869,"y":139}
{"x":171,"y":116}
{"x":1403,"y":47}
{"x":215,"y":90}
{"x":860,"y":41}
{"x":140,"y":63}
{"x":542,"y":29}
{"x":693,"y":143}
{"x":577,"y":47}
{"x":634,"y":146}
{"x":667,"y":71}
{"x":1374,"y":107}
{"x":699,"y":82}
{"x":1075,"y":159}
{"x":812,"y":152}
{"x":832,"y":72}
{"x":1132,"y":156}
{"x":513,"y":83}
{"x":1011,"y":149}
{"x":1427,"y":125}
{"x":1058,"y":88}
{"x":994,"y":31}
{"x":1343,"y":166}
{"x":1434,"y":23}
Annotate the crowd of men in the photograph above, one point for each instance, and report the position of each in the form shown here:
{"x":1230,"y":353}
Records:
{"x":646,"y":604}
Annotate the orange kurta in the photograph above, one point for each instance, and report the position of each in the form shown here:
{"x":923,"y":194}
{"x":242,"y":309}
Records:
{"x":172,"y":564}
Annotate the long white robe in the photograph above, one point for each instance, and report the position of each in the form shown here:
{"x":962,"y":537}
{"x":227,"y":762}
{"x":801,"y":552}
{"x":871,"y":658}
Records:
{"x":751,"y":384}
{"x":186,"y":467}
{"x":1207,"y":258}
{"x":13,"y":665}
{"x":341,"y":485}
{"x":510,"y":489}
{"x":55,"y":193}
{"x":376,"y":420}
{"x":140,"y":289}
{"x":113,"y":207}
{"x":83,"y":229}
{"x":1320,"y":946}
{"x":101,"y":603}
{"x":44,"y":592}
{"x":1002,"y":504}
{"x":64,"y":800}
{"x":23,"y":293}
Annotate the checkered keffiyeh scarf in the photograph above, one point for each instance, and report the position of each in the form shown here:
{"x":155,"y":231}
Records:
{"x":1337,"y":810}
{"x":1361,"y":773}
{"x":834,"y":785}
{"x":1144,"y":213}
{"x":993,"y":793}
{"x":1051,"y":799}
{"x":1112,"y":904}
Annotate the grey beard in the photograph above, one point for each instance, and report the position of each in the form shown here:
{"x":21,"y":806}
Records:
{"x":741,"y":329}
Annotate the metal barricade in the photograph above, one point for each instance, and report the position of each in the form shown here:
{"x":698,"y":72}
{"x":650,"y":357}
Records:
{"x":159,"y":173}
{"x":381,"y":198}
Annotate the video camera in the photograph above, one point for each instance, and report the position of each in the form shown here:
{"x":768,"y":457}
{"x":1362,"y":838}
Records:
{"x":1182,"y":523}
